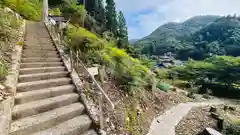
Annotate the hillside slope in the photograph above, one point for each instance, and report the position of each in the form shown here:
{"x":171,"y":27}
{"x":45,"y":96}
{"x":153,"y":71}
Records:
{"x":173,"y":36}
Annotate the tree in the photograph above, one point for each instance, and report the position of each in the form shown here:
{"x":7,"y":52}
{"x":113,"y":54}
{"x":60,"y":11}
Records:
{"x":122,"y":31}
{"x":111,"y":16}
{"x":55,"y":2}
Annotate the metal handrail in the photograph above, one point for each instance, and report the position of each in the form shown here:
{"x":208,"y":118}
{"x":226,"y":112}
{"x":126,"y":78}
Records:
{"x":101,"y":93}
{"x":92,"y":77}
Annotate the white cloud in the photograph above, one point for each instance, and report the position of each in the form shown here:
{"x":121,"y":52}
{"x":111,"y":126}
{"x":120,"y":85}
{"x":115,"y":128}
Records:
{"x":170,"y":10}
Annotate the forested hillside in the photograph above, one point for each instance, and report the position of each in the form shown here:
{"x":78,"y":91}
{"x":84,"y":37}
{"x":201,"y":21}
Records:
{"x":173,"y":36}
{"x":198,"y":38}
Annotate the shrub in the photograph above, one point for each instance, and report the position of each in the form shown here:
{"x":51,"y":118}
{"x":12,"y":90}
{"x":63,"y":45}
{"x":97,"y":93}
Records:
{"x":28,"y":9}
{"x":54,"y":11}
{"x":128,"y":71}
{"x":3,"y":69}
{"x":231,"y":129}
{"x":163,"y":87}
{"x":8,"y":30}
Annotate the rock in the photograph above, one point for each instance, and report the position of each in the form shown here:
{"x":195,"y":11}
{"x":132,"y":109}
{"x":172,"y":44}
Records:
{"x":232,"y":108}
{"x":2,"y":87}
{"x":206,"y":96}
{"x":213,"y":109}
{"x":210,"y":131}
{"x":214,"y":115}
{"x":225,"y":108}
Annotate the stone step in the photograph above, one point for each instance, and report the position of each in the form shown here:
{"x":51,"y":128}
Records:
{"x":42,"y":76}
{"x":24,"y":97}
{"x":44,"y":55}
{"x":39,"y":48}
{"x":41,"y":64}
{"x":28,"y":86}
{"x":42,"y":70}
{"x":39,"y":52}
{"x":40,"y":59}
{"x":40,"y":106}
{"x":45,"y":120}
{"x":75,"y":126}
{"x":38,"y":45}
{"x":90,"y":132}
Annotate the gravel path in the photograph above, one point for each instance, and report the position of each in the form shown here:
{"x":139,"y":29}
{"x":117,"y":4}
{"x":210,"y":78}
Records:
{"x":165,"y":124}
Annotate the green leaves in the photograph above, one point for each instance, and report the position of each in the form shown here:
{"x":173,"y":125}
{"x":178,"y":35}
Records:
{"x":29,"y":9}
{"x":111,"y":16}
{"x":128,"y":71}
{"x":122,"y":31}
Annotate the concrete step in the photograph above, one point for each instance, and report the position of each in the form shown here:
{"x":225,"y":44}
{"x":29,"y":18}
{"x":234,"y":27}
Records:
{"x":42,"y":76}
{"x":42,"y":70}
{"x":39,"y":48}
{"x":28,"y":86}
{"x":90,"y":132}
{"x":45,"y":120}
{"x":39,"y":59}
{"x":44,"y":55}
{"x":39,"y":52}
{"x":75,"y":126}
{"x":40,"y":106}
{"x":24,"y":97}
{"x":38,"y":45}
{"x":41,"y":64}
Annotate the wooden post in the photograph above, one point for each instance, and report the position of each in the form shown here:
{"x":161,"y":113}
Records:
{"x":154,"y":83}
{"x":220,"y":123}
{"x":101,"y":73}
{"x":71,"y":61}
{"x":101,"y":111}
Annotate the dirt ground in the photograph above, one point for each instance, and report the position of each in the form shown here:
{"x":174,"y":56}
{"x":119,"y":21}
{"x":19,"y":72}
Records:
{"x":133,"y":115}
{"x":195,"y":122}
{"x":199,"y":118}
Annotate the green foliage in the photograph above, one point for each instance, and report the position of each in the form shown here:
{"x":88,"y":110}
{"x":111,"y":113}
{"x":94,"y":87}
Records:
{"x":8,"y":31}
{"x":122,"y":31}
{"x":174,"y":37}
{"x":54,"y":11}
{"x":29,"y":9}
{"x":128,"y":71}
{"x":54,"y":3}
{"x":111,"y":16}
{"x":221,"y":74}
{"x":133,"y":120}
{"x":78,"y":17}
{"x":3,"y":69}
{"x":197,"y":38}
{"x":232,"y":129}
{"x":163,"y":87}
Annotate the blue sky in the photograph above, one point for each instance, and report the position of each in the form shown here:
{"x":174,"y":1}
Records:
{"x":144,"y":16}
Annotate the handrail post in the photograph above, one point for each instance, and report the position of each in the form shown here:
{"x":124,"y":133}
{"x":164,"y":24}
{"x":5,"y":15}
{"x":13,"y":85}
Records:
{"x":101,"y":110}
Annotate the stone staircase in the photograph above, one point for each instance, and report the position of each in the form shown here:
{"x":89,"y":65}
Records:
{"x":46,"y":102}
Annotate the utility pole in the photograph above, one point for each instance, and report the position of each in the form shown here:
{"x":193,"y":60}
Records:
{"x":45,"y":11}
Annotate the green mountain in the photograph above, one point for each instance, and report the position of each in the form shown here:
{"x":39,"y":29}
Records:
{"x":172,"y":37}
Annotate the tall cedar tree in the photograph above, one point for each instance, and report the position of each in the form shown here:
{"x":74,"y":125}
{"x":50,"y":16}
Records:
{"x":122,"y":31}
{"x":111,"y":16}
{"x":95,"y":8}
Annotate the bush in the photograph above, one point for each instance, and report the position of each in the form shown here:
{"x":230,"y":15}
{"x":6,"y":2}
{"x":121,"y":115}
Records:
{"x":3,"y":69}
{"x":127,"y":70}
{"x":231,"y":129}
{"x":54,"y":11}
{"x":8,"y":31}
{"x":30,"y":10}
{"x":163,"y":86}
